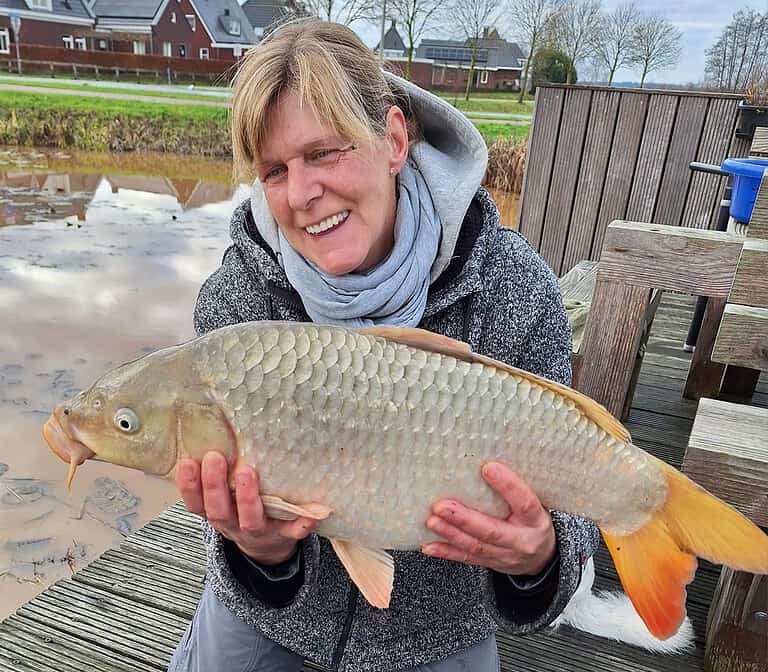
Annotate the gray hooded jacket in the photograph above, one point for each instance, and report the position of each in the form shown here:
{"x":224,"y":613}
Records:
{"x":489,"y":289}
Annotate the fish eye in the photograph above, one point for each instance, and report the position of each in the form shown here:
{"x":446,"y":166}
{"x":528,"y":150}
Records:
{"x":127,"y":421}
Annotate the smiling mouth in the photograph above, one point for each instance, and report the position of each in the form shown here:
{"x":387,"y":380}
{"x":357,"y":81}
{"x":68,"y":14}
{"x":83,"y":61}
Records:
{"x":328,"y":224}
{"x":64,"y":446}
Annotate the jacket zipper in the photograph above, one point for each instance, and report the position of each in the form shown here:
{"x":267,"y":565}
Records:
{"x":342,"y":644}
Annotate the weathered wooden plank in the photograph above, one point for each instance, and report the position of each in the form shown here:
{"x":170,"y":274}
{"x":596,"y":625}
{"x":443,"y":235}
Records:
{"x":760,"y":142}
{"x":145,"y":581}
{"x":591,"y":179}
{"x":704,"y":192}
{"x":670,"y":257}
{"x":684,"y":143}
{"x":743,"y":337}
{"x":650,"y":161}
{"x":621,"y":167}
{"x":705,"y":376}
{"x":538,"y":170}
{"x":758,"y":224}
{"x":750,"y":284}
{"x":726,"y":455}
{"x":55,"y":651}
{"x":614,"y":328}
{"x":565,"y":173}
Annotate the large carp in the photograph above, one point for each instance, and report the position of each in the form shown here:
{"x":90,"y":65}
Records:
{"x":366,"y":429}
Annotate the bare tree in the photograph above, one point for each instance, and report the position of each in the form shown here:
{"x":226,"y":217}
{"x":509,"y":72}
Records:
{"x":575,"y":29}
{"x":655,"y":45}
{"x":342,"y":11}
{"x":414,"y":16}
{"x":740,"y":53}
{"x":613,"y":40}
{"x":471,"y":18}
{"x":530,"y":20}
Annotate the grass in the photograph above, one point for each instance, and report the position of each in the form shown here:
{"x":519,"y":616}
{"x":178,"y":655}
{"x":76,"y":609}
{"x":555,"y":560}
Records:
{"x":504,"y":106}
{"x":492,"y":132}
{"x":104,"y":124}
{"x":111,"y":106}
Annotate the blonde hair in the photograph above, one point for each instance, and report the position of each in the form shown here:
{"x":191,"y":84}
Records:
{"x":333,"y":72}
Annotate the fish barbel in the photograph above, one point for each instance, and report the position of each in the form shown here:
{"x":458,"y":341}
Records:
{"x":365,"y":429}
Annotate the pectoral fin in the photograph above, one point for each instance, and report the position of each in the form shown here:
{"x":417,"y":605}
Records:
{"x":278,"y":508}
{"x":371,"y":569}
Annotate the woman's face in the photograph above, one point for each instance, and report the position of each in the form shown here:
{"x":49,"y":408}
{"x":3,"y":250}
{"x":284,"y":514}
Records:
{"x":333,"y":201}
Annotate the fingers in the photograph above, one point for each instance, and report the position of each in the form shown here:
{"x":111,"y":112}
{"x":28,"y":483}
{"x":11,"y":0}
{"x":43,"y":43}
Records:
{"x":189,"y":486}
{"x":462,"y":522}
{"x":217,"y":498}
{"x":250,"y":511}
{"x":523,"y":503}
{"x":468,"y":545}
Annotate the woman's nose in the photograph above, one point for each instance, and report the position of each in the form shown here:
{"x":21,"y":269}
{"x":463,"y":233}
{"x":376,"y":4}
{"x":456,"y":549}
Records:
{"x":303,"y":187}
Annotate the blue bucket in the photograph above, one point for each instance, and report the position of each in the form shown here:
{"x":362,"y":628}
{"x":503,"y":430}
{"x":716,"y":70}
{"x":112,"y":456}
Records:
{"x":747,"y":174}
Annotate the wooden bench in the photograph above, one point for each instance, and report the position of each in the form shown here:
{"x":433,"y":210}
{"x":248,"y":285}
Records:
{"x":728,"y":451}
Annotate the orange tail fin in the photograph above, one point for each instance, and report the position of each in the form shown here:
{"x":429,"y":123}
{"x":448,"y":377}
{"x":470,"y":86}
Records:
{"x":656,"y":562}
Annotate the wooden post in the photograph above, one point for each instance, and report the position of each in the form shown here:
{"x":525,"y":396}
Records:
{"x":737,"y":627}
{"x":704,"y":375}
{"x":614,"y":327}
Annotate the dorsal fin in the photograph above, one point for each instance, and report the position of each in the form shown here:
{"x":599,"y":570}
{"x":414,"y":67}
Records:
{"x":426,"y":340}
{"x":423,"y":340}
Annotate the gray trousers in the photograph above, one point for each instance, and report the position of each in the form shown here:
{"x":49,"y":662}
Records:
{"x":217,"y":640}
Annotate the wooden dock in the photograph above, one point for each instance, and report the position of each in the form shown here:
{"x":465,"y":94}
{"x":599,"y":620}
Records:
{"x":126,"y":611}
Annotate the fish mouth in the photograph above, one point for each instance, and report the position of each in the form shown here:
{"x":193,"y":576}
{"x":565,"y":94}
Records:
{"x":63,"y":445}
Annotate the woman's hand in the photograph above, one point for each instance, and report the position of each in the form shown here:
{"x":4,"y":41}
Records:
{"x":239,"y":517}
{"x":522,"y":543}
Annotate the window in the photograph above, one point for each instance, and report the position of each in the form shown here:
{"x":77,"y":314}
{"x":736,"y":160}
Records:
{"x":103,"y":46}
{"x":191,"y":21}
{"x":5,"y":41}
{"x":139,"y":47}
{"x":484,"y":77}
{"x":80,"y":43}
{"x":182,"y":50}
{"x":40,"y":4}
{"x":203,"y":53}
{"x":173,"y":17}
{"x":167,"y":49}
{"x":234,"y":27}
{"x":68,"y":42}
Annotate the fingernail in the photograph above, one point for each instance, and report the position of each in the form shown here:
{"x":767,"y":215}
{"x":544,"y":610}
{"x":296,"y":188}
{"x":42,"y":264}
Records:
{"x":445,"y":508}
{"x":432,"y":522}
{"x":492,"y":470}
{"x":186,"y":471}
{"x":428,"y":549}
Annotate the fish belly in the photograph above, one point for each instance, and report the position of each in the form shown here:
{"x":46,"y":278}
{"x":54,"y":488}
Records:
{"x":379,"y":431}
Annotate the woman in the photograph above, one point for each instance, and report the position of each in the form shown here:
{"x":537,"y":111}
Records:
{"x":367,"y":208}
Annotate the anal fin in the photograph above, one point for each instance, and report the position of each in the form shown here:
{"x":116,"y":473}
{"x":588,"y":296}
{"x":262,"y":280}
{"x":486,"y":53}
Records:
{"x":371,"y":569}
{"x":278,"y":508}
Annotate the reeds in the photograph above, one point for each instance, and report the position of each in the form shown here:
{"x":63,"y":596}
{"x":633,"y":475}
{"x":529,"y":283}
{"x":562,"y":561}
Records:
{"x":506,"y":164}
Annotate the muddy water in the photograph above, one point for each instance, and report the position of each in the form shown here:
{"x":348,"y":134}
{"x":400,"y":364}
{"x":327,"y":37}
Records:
{"x":96,"y":267}
{"x":101,"y":258}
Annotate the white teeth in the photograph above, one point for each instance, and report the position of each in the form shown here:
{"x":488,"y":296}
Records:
{"x":328,"y":222}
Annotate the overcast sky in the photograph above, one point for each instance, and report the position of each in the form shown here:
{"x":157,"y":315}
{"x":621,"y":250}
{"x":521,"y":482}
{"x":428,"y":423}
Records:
{"x":700,"y":21}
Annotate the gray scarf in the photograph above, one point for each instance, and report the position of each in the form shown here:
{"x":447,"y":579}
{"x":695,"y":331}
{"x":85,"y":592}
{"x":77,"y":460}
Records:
{"x":392,"y":293}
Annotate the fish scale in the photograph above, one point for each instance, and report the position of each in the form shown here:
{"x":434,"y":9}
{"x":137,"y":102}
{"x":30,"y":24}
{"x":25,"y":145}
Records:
{"x":415,"y":427}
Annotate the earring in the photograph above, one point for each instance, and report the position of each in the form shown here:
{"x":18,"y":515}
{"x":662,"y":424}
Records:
{"x":392,"y":172}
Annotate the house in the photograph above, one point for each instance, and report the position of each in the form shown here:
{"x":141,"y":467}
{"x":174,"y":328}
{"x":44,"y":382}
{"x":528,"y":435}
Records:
{"x":498,"y":63}
{"x":394,"y":47}
{"x":200,"y":29}
{"x":52,"y":23}
{"x":263,"y":13}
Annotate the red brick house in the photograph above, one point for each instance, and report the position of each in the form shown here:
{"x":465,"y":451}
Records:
{"x":52,"y":23}
{"x":202,"y":29}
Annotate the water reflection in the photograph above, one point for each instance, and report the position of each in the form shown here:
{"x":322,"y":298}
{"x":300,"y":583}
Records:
{"x":110,"y":270}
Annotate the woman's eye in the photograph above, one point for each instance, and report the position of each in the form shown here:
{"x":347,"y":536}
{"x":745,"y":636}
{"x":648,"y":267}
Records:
{"x":323,"y":155}
{"x":127,"y":421}
{"x":273,"y":174}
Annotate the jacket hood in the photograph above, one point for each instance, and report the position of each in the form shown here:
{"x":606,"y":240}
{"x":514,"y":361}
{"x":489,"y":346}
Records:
{"x":451,"y":156}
